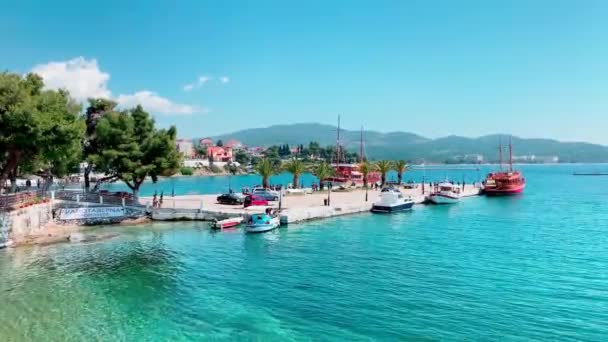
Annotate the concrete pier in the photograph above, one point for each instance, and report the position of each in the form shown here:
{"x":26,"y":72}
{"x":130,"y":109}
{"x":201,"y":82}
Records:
{"x":294,"y":208}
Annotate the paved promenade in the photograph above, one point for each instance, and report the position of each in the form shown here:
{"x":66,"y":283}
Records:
{"x":294,"y":208}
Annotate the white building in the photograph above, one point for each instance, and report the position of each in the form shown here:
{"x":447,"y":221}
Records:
{"x":185,"y":147}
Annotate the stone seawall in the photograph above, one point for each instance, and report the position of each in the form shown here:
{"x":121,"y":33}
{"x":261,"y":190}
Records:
{"x":168,"y":214}
{"x":19,"y":223}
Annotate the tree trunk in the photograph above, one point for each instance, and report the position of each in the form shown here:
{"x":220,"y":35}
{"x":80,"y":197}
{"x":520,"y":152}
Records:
{"x":265,"y":182}
{"x":12,"y":161}
{"x":87,"y":173}
{"x":136,"y":185}
{"x":383,"y":179}
{"x":399,"y":177}
{"x":296,"y":179}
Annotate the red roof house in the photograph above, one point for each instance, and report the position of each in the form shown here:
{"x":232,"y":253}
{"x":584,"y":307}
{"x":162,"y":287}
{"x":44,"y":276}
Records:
{"x":206,"y":142}
{"x":223,"y":154}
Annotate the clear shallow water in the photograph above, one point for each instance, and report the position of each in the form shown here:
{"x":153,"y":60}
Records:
{"x":528,"y":267}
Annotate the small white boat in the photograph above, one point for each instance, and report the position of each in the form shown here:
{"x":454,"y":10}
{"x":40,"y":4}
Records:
{"x":391,"y":201}
{"x":446,"y":193}
{"x":227,"y":223}
{"x":259,"y":223}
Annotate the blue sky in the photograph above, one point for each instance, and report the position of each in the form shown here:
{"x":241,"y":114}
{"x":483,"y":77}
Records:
{"x":530,"y":68}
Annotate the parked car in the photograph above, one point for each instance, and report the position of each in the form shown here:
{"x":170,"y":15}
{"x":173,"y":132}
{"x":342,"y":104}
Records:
{"x":231,"y":198}
{"x":256,"y":200}
{"x":269,"y":195}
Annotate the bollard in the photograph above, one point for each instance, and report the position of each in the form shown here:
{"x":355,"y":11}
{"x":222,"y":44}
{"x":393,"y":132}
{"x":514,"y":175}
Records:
{"x":52,"y":195}
{"x":77,"y":198}
{"x":123,"y":201}
{"x":100,"y":200}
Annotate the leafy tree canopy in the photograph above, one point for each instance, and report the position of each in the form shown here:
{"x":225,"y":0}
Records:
{"x":39,"y":129}
{"x":131,"y":148}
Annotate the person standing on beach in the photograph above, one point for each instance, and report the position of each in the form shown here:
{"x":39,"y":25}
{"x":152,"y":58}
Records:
{"x":160,"y":202}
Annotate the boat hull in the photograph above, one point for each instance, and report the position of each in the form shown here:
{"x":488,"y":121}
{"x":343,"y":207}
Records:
{"x":387,"y":209}
{"x":228,"y":223}
{"x":443,"y":199}
{"x":504,"y":191}
{"x":262,"y":227}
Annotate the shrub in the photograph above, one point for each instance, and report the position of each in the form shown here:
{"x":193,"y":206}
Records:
{"x":215,"y":169}
{"x":186,"y":171}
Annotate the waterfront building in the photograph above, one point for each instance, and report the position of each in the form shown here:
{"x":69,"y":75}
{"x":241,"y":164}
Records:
{"x":206,"y":142}
{"x":234,"y":144}
{"x":218,"y":153}
{"x":185,"y":147}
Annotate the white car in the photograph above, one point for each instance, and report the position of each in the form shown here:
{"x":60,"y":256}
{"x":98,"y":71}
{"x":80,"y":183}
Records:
{"x":267,"y":194}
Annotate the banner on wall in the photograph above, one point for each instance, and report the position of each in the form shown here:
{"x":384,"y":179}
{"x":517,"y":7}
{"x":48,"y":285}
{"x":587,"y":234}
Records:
{"x":90,"y":213}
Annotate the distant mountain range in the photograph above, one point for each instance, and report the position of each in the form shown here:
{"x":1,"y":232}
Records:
{"x":413,"y":147}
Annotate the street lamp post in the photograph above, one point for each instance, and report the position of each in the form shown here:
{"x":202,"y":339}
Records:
{"x":366,"y":187}
{"x":329,"y":193}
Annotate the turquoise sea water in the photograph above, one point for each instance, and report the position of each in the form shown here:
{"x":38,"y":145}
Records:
{"x":519,"y":268}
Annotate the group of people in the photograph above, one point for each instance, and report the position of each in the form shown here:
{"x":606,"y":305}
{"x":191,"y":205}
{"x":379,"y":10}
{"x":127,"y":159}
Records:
{"x":157,"y":203}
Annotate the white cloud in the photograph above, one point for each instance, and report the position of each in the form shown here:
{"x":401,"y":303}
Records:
{"x":224,"y":79}
{"x":154,"y":103}
{"x":199,"y":82}
{"x":83,"y":79}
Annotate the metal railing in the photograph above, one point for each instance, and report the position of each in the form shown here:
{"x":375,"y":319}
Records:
{"x":15,"y":200}
{"x":90,"y":197}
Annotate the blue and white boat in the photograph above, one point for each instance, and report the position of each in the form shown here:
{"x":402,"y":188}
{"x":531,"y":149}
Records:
{"x":391,"y":201}
{"x":259,"y":223}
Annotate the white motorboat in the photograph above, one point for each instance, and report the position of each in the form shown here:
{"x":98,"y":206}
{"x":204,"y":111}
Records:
{"x":446,"y":193}
{"x":391,"y":201}
{"x":227,"y":223}
{"x":259,"y":223}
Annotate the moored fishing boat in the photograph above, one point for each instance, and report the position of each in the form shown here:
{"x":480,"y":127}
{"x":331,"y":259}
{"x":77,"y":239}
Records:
{"x":392,"y":201}
{"x":446,"y":193}
{"x":503,"y":183}
{"x":263,"y":222}
{"x":227,"y":223}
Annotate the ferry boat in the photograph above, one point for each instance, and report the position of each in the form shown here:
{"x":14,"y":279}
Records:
{"x":503,"y":183}
{"x":446,"y":193}
{"x":263,"y":222}
{"x":391,"y":201}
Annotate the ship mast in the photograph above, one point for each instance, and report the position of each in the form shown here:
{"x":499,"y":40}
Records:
{"x":338,"y":143}
{"x":510,"y":156}
{"x":500,"y":153}
{"x":361,"y":147}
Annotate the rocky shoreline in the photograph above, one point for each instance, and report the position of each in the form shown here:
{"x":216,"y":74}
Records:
{"x":54,"y":233}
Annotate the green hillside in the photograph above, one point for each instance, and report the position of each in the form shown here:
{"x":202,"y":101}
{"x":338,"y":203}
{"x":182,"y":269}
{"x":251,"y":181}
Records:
{"x":409,"y":146}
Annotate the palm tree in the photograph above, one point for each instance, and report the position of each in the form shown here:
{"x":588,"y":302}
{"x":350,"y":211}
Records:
{"x":384,"y":166}
{"x":365,"y":168}
{"x":323,"y":171}
{"x":265,"y":169}
{"x":401,"y":166}
{"x":296,"y":167}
